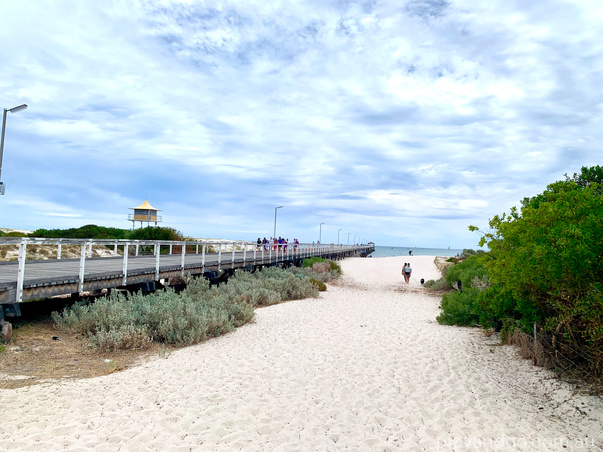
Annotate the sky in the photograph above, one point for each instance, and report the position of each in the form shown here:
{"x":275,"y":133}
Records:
{"x":401,"y":122}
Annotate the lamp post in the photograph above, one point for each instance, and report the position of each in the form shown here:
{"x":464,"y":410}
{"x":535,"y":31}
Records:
{"x":349,"y":237}
{"x":6,"y":110}
{"x":274,"y":234}
{"x":320,"y":232}
{"x":354,"y":239}
{"x":338,"y":236}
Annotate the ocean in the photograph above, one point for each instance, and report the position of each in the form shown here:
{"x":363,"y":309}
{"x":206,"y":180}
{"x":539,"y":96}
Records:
{"x":388,"y":251}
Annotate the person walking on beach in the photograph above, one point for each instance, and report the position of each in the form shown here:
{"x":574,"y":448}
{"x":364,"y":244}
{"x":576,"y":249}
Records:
{"x":403,"y":269}
{"x":407,"y":273}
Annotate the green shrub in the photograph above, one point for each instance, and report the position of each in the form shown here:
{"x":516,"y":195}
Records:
{"x":466,"y":271}
{"x":311,"y":261}
{"x":319,"y":285}
{"x":335,"y":267}
{"x":197,"y":313}
{"x":439,"y":284}
{"x":460,"y":308}
{"x":15,"y":234}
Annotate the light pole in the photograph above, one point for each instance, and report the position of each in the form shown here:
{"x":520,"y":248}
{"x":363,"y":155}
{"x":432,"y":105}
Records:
{"x":349,"y":237}
{"x":354,"y":239}
{"x":338,"y":235}
{"x":320,"y":232}
{"x":6,"y":110}
{"x":274,"y":234}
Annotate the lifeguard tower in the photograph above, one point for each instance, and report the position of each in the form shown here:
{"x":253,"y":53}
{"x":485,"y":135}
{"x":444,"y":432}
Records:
{"x":144,"y":213}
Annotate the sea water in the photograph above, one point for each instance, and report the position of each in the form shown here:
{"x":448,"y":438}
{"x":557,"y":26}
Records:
{"x":389,"y":251}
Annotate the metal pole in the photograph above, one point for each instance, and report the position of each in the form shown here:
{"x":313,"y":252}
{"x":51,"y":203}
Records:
{"x":183,"y":256}
{"x":6,"y":110}
{"x":220,"y":257}
{"x":82,"y":267}
{"x":157,"y":254}
{"x":320,"y":232}
{"x":274,"y":234}
{"x":21,"y":270}
{"x":125,"y":265}
{"x":349,"y":237}
{"x":2,"y":139}
{"x":338,"y":236}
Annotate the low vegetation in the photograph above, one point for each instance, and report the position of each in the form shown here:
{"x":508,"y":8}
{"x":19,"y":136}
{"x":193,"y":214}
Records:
{"x":543,"y":276}
{"x":197,"y":313}
{"x":92,"y":231}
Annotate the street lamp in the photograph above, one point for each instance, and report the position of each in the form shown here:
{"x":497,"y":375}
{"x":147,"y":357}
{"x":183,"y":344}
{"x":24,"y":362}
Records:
{"x":354,"y":239}
{"x":320,"y":232}
{"x":338,"y":235}
{"x":6,"y":110}
{"x":274,"y":234}
{"x":349,"y":237}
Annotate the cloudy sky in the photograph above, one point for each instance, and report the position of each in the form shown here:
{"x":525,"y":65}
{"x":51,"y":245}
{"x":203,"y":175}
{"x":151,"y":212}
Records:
{"x":397,"y":121}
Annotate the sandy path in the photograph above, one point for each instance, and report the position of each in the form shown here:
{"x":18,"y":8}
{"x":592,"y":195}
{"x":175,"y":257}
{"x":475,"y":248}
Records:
{"x":364,"y":367}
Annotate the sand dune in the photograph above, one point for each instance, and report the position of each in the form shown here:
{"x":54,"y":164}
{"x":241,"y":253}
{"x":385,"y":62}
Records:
{"x":364,"y":367}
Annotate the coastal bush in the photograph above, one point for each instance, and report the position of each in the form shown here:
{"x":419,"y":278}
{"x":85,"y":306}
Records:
{"x":545,"y":262}
{"x":335,"y":267}
{"x":460,"y":308}
{"x":437,"y":284}
{"x":466,"y":270}
{"x":197,"y":313}
{"x":309,"y":262}
{"x":15,"y":234}
{"x":319,"y":285}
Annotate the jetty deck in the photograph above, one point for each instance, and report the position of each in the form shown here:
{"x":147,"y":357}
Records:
{"x":136,"y":262}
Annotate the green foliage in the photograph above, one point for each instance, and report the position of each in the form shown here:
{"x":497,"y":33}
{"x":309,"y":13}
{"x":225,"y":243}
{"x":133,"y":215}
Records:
{"x":92,"y":231}
{"x":460,"y":308}
{"x":311,"y":261}
{"x":154,"y":233}
{"x":14,"y":234}
{"x":466,"y":270}
{"x":196,"y":314}
{"x":545,"y":262}
{"x":335,"y":267}
{"x":89,"y":231}
{"x":319,"y":285}
{"x":439,"y":284}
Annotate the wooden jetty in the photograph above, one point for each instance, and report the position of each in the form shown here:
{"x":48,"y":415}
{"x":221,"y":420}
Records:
{"x":138,"y":264}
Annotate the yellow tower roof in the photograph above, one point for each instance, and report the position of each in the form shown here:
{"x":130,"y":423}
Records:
{"x":145,"y":206}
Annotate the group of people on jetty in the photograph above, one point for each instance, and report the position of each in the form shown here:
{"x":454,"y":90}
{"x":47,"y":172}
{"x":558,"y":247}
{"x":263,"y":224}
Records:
{"x":278,"y":245}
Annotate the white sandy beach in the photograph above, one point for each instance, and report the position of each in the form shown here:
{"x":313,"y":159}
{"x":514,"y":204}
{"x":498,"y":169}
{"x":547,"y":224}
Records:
{"x":365,"y":367}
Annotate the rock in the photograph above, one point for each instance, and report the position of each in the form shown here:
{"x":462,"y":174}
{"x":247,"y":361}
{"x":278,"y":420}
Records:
{"x":6,"y":331}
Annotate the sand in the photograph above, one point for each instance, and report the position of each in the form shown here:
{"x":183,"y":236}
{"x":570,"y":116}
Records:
{"x":364,"y":367}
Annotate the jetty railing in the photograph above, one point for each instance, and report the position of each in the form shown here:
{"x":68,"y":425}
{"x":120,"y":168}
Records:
{"x":132,"y":261}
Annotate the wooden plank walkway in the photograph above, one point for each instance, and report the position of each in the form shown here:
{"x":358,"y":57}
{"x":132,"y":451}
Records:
{"x":46,"y":278}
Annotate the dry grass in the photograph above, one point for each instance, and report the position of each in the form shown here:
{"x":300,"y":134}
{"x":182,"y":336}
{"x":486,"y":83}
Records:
{"x":33,"y":356}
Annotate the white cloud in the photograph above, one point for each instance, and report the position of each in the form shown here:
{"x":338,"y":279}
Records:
{"x":368,"y":114}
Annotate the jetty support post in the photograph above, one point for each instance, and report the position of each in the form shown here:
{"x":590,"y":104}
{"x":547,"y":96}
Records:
{"x":59,"y":251}
{"x":82,"y":267}
{"x":182,"y":258}
{"x":21,"y":269}
{"x":157,"y":255}
{"x":125,"y":264}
